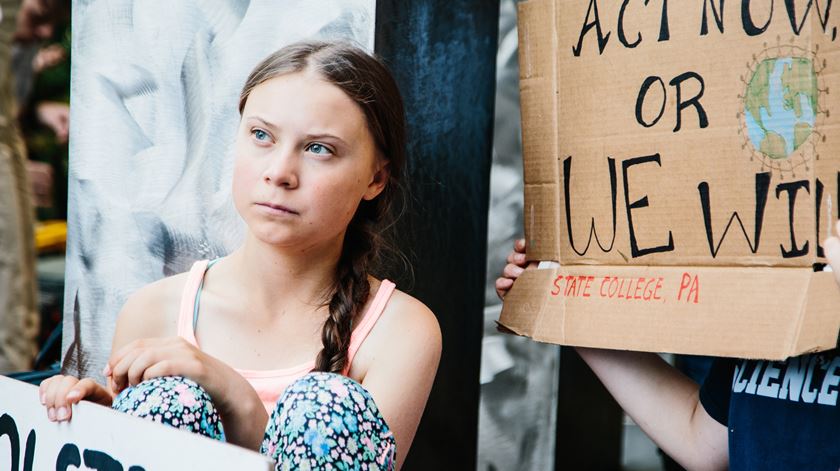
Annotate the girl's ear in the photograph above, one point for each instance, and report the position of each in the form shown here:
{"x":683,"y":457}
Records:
{"x":379,"y":180}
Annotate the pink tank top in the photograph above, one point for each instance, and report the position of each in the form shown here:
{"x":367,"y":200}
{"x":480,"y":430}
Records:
{"x":270,"y":384}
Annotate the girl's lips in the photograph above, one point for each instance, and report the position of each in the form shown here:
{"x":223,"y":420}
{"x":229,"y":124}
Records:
{"x":277,"y":209}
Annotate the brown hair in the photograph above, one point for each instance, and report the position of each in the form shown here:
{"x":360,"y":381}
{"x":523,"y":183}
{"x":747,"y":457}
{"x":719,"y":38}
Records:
{"x":366,"y":80}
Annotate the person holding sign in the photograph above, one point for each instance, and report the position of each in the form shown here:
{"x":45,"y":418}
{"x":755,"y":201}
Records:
{"x":747,"y":414}
{"x":289,"y":345}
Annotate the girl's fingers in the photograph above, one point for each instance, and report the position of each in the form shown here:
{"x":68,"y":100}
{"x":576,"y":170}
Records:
{"x":137,"y":369}
{"x":519,"y":245}
{"x":161,"y":368}
{"x":119,"y":370}
{"x":90,"y":390}
{"x":117,"y":356}
{"x":49,"y":388}
{"x":53,"y":389}
{"x":42,"y":390}
{"x":61,"y":409}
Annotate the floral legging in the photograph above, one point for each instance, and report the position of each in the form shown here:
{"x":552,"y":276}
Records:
{"x":322,"y":421}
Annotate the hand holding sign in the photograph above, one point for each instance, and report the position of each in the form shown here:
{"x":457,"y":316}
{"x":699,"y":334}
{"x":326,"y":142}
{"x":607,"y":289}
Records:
{"x":59,"y":393}
{"x":517,"y":263}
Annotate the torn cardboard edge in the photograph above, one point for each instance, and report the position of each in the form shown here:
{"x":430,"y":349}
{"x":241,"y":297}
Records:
{"x":687,"y":310}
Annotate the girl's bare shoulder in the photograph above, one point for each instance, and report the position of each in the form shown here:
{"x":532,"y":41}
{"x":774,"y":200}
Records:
{"x":152,"y":311}
{"x":408,"y":324}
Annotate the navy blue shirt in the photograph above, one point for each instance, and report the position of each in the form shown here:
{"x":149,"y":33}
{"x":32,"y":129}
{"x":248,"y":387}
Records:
{"x":780,"y":415}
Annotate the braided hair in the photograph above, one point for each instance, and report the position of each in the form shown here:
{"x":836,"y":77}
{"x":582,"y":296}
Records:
{"x":369,"y":83}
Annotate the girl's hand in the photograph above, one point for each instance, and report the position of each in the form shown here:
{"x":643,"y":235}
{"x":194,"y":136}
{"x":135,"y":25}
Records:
{"x":59,"y":393}
{"x":238,"y":404}
{"x":832,"y":253}
{"x":145,"y":359}
{"x":517,"y":263}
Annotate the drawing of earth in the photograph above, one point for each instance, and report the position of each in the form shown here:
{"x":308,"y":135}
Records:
{"x":780,"y":104}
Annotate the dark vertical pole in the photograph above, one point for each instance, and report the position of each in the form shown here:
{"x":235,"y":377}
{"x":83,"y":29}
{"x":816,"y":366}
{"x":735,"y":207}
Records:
{"x":589,"y":427}
{"x":443,"y":56}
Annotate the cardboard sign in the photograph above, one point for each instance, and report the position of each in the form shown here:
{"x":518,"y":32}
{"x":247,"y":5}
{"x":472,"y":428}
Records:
{"x":99,"y":438}
{"x":683,"y":149}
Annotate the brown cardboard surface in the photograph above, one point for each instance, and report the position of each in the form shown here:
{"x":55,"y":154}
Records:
{"x":743,"y":312}
{"x":691,"y":136}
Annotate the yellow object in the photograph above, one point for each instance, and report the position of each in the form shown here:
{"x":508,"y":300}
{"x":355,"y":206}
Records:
{"x":50,"y":235}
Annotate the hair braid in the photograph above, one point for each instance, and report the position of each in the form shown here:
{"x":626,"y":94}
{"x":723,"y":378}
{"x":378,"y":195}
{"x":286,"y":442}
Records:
{"x":350,"y":294}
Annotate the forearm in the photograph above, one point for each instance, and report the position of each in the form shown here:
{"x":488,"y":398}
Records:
{"x":245,"y":424}
{"x":663,"y":401}
{"x":242,"y":413}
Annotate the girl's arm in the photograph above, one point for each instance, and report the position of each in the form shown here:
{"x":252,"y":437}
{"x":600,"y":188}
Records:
{"x":659,"y":398}
{"x":402,"y":366}
{"x":146,"y":348}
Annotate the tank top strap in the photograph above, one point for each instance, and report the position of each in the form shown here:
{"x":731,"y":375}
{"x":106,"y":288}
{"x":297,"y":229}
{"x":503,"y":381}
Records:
{"x":195,"y":279}
{"x":374,"y":312}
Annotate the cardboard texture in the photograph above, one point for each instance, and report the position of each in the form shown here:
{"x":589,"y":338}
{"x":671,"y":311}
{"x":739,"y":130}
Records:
{"x":665,"y":140}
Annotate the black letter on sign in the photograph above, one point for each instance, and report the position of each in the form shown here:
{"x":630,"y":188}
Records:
{"x":602,"y":39}
{"x":621,"y":37}
{"x":640,"y":100}
{"x":69,"y":455}
{"x":695,"y":100}
{"x":820,"y":251}
{"x":791,"y":188}
{"x":746,"y":18}
{"x":101,"y":461}
{"x":29,"y":454}
{"x":640,"y":203}
{"x":762,"y":186}
{"x":9,"y":427}
{"x":664,"y":34}
{"x":717,"y":12}
{"x":567,"y":175}
{"x":791,"y":11}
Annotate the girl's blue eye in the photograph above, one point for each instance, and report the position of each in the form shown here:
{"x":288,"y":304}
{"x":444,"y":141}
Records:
{"x":260,"y":134}
{"x":318,"y":149}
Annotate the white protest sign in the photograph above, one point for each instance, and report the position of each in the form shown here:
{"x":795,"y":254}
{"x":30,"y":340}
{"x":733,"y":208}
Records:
{"x":98,"y":438}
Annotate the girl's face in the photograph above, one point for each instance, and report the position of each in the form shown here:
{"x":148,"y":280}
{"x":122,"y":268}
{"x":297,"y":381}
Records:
{"x":305,"y":159}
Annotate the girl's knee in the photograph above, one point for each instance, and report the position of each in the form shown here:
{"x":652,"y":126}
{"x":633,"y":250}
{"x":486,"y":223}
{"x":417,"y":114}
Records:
{"x":327,"y":390}
{"x":339,"y":386}
{"x":152,"y":391}
{"x":174,"y":401}
{"x":326,"y":417}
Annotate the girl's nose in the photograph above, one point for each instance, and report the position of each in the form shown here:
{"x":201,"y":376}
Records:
{"x":283,"y":169}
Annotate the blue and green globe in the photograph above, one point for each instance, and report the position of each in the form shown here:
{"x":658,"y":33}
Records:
{"x":780,"y":105}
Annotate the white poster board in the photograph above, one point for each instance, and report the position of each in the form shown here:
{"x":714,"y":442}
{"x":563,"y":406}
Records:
{"x":98,"y":438}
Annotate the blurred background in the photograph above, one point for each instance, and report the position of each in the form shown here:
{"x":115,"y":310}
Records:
{"x":500,"y":402}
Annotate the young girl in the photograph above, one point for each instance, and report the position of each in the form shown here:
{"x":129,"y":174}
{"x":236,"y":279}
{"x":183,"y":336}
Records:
{"x":291,"y":324}
{"x":747,"y":415}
